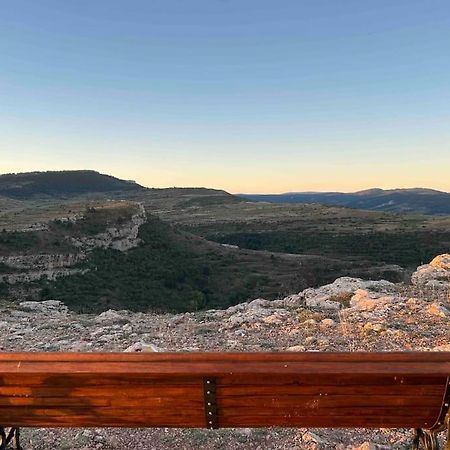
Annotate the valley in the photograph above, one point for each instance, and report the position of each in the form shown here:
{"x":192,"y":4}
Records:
{"x":188,"y":249}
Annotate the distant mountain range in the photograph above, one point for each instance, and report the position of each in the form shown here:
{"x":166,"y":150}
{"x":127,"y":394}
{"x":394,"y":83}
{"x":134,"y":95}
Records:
{"x":417,"y":200}
{"x":65,"y":183}
{"x":72,"y":183}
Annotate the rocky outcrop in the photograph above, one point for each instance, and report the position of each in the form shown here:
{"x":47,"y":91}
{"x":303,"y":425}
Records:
{"x":112,"y":317}
{"x":45,"y":308}
{"x":42,"y":261}
{"x":28,"y":268}
{"x":336,"y":295}
{"x":49,"y":274}
{"x":435,"y":275}
{"x":120,"y":238}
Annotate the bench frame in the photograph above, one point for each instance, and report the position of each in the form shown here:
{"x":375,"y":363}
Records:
{"x":211,"y":366}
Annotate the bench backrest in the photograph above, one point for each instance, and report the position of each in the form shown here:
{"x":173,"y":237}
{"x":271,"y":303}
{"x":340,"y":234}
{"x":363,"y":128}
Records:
{"x":224,"y":389}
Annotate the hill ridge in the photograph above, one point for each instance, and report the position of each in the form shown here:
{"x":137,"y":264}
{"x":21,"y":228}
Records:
{"x":61,"y":183}
{"x":402,"y":200}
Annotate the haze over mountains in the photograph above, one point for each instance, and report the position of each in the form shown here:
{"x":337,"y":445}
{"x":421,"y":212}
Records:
{"x":415,"y":200}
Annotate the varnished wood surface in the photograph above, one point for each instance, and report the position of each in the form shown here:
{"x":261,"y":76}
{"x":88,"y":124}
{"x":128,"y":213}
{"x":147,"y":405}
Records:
{"x":253,"y":389}
{"x":432,"y":363}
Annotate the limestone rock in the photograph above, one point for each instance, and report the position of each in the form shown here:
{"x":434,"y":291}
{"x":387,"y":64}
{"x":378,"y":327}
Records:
{"x":42,"y":262}
{"x":120,"y":238}
{"x":142,"y":347}
{"x":442,"y":348}
{"x":259,"y":303}
{"x":296,"y":348}
{"x":441,"y":261}
{"x":366,"y":446}
{"x":111,"y":317}
{"x":322,"y":302}
{"x":435,"y":275}
{"x":327,"y":323}
{"x":364,"y":301}
{"x":436,"y":309}
{"x":336,"y":295}
{"x":47,"y":307}
{"x":376,"y":327}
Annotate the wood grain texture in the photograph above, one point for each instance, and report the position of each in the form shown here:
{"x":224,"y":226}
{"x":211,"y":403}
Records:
{"x":252,"y":389}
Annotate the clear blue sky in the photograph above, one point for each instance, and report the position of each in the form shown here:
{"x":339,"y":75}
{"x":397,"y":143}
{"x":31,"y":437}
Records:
{"x":246,"y":95}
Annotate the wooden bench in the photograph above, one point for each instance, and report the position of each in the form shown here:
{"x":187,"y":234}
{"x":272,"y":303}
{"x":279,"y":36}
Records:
{"x":217,"y":390}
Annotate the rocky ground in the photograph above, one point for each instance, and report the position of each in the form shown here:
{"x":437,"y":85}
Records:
{"x":347,"y":315}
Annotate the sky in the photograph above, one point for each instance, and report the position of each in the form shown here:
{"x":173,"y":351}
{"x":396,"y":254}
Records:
{"x":252,"y":96}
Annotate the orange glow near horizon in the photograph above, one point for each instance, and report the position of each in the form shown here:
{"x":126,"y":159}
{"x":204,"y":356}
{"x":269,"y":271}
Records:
{"x":266,"y":180}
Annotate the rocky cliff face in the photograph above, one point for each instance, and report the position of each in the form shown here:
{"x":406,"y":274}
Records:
{"x":348,"y":315}
{"x":120,"y":238}
{"x":41,"y":262}
{"x":27,"y":268}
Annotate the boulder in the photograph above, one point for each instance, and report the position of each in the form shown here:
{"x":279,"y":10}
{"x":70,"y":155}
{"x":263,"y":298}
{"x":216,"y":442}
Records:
{"x":436,"y":309}
{"x":328,"y":323}
{"x":441,"y":261}
{"x":142,"y":347}
{"x":435,"y":275}
{"x":296,"y":348}
{"x":336,"y":295}
{"x":111,"y":317}
{"x":364,"y":301}
{"x":47,"y":307}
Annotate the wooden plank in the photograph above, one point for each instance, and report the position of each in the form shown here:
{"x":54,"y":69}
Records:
{"x":332,"y":401}
{"x":95,"y":379}
{"x":248,"y":390}
{"x":269,"y":417}
{"x":100,"y":391}
{"x":220,"y":369}
{"x":424,"y":357}
{"x":262,"y":394}
{"x":241,"y":421}
{"x":315,"y":379}
{"x":105,"y":401}
{"x":221,"y":364}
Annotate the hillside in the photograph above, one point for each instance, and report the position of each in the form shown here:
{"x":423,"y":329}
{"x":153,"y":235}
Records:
{"x":351,"y":235}
{"x":67,"y":183}
{"x":420,"y":201}
{"x":116,"y":255}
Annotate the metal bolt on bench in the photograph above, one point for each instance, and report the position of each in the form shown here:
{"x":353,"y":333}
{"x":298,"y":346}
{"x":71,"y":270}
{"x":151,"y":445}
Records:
{"x":220,"y":390}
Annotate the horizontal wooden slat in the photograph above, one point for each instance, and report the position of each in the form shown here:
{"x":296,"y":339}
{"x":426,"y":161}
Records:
{"x":299,"y":412}
{"x":268,"y":390}
{"x":95,"y":379}
{"x":324,"y":422}
{"x":103,"y":401}
{"x":316,"y":379}
{"x":234,"y":422}
{"x":100,"y":391}
{"x":122,"y":412}
{"x":437,"y":363}
{"x":417,"y":392}
{"x":331,"y":401}
{"x":228,"y":368}
{"x":426,"y":357}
